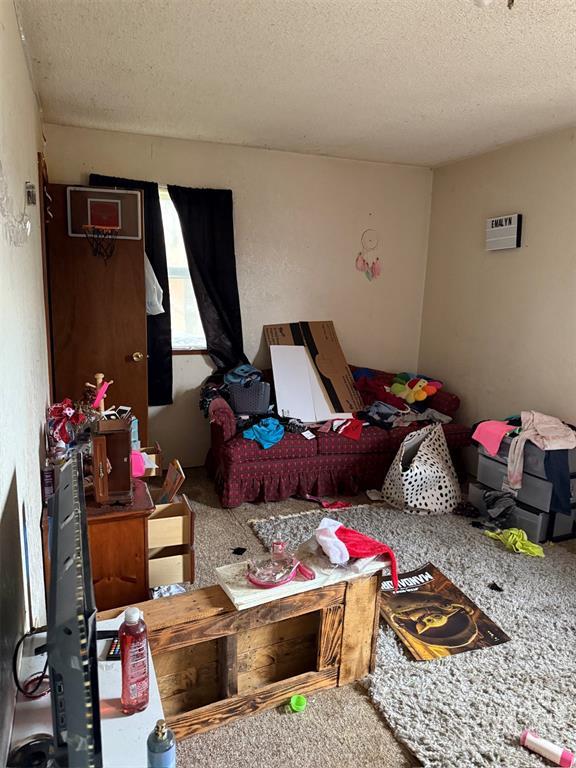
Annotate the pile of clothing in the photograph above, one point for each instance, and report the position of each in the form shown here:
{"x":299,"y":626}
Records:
{"x":382,"y":414}
{"x":213,"y":387}
{"x":388,"y":410}
{"x":267,"y":429}
{"x":218,"y":384}
{"x":549,"y":434}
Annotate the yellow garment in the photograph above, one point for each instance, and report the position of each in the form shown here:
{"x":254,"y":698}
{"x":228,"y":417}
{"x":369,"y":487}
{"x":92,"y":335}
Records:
{"x":515,"y":539}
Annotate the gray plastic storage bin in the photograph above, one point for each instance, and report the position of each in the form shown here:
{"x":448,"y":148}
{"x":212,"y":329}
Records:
{"x":535,"y":492}
{"x":533,"y":457}
{"x":533,"y":521}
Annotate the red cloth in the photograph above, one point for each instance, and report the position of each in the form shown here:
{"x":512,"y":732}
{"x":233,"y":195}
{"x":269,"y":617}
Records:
{"x":375,"y":389}
{"x":360,"y":545}
{"x":352,"y":429}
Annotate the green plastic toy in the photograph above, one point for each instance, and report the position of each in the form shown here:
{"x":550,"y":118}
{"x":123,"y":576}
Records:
{"x":297,"y":703}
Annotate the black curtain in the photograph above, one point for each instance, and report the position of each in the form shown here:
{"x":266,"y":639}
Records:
{"x":159,"y":327}
{"x":208,"y":233}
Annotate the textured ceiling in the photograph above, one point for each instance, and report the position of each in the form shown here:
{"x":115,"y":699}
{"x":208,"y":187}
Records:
{"x":410,"y":81}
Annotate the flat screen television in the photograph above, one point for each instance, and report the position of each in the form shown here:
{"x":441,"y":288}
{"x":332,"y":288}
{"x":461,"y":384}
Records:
{"x":71,"y":641}
{"x":71,"y":638}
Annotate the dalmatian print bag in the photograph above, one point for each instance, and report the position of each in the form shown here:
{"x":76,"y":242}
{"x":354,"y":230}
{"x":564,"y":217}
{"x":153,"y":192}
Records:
{"x":422,"y":478}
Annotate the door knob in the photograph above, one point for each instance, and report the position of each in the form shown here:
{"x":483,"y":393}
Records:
{"x":137,"y":357}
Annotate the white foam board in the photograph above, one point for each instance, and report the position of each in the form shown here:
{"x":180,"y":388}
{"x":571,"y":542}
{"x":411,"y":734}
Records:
{"x":294,"y":398}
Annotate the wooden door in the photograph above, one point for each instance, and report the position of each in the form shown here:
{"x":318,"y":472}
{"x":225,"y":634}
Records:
{"x":98,"y":315}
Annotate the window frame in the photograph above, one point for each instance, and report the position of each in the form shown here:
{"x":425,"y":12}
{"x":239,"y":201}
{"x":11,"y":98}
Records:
{"x":163,"y":191}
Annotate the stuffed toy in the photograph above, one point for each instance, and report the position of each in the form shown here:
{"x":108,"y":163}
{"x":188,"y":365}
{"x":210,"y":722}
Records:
{"x":413,"y":388}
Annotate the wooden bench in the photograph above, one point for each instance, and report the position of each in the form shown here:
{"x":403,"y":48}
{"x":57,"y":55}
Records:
{"x":215,"y":664}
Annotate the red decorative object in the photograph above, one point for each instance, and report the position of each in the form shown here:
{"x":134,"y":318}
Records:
{"x":63,"y":418}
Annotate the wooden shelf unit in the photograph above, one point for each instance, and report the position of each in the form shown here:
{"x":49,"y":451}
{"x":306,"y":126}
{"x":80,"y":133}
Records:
{"x":215,"y":664}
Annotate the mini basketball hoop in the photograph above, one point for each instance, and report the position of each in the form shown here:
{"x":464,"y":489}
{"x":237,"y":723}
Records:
{"x":102,"y":240}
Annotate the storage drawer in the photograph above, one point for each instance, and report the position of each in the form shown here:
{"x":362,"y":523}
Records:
{"x":170,"y":524}
{"x":535,"y":492}
{"x":533,"y":521}
{"x":171,"y":543}
{"x":533,"y":457}
{"x":170,"y":565}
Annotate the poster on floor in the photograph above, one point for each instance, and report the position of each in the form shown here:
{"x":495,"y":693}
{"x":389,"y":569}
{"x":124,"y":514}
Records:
{"x":433,"y":618}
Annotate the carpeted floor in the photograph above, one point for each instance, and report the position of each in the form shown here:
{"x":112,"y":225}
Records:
{"x":469,"y":710}
{"x":340,"y":727}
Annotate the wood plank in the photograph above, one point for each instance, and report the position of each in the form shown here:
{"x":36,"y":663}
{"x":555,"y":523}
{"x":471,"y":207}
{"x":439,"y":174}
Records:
{"x":193,"y":656}
{"x":169,"y":570}
{"x":376,"y":626}
{"x":330,"y":637}
{"x":211,"y":716}
{"x":228,"y":666}
{"x":187,"y":679}
{"x":179,"y":635}
{"x":292,"y":666}
{"x":270,"y":634}
{"x":182,"y":694}
{"x":277,"y":653}
{"x":164,"y":612}
{"x":360,"y":606}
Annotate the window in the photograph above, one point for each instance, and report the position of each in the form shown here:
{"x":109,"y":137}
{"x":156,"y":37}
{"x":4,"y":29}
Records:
{"x":187,"y":331}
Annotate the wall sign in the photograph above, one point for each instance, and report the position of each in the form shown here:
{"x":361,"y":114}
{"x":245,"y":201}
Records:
{"x":504,"y":232}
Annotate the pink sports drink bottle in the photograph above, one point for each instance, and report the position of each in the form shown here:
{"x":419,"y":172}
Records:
{"x":133,"y":638}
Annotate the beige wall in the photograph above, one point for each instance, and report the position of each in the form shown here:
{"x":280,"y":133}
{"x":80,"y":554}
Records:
{"x":500,"y":327}
{"x":23,"y":370}
{"x":298,"y":223}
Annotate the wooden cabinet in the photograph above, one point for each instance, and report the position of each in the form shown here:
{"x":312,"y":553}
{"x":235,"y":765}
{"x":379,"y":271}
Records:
{"x":111,"y":449}
{"x":118,"y":539}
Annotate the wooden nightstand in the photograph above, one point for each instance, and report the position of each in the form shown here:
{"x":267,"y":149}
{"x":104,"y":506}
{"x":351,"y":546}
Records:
{"x":136,"y":546}
{"x":118,"y":537}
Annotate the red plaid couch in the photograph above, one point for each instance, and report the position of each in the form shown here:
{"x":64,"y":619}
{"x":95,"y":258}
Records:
{"x":330,"y":465}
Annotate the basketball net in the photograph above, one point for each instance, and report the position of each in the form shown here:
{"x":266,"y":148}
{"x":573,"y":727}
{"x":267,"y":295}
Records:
{"x":102,"y":240}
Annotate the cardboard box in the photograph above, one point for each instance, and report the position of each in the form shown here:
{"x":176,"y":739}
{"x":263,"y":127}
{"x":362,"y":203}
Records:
{"x":155,"y":453}
{"x":320,"y":338}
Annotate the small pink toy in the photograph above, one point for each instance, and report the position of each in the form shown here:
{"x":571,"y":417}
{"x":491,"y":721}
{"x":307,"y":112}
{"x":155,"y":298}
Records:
{"x":554,"y":753}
